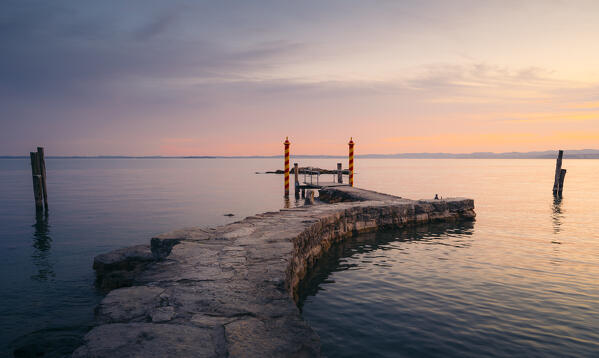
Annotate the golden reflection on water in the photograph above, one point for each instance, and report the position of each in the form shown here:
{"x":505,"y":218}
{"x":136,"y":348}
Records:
{"x":557,"y":214}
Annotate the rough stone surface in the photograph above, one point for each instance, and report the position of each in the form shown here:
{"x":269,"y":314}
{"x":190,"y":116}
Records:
{"x":146,"y":340}
{"x":118,"y":268}
{"x":129,"y":304}
{"x":230,"y":290}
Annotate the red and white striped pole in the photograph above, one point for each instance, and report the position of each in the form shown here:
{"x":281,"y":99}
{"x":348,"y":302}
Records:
{"x":351,"y":162}
{"x":286,"y":143}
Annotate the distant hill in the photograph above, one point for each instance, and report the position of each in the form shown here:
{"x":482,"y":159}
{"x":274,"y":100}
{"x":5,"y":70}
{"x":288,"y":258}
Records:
{"x":548,"y":154}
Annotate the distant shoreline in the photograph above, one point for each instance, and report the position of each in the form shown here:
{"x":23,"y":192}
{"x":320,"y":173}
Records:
{"x":568,"y":154}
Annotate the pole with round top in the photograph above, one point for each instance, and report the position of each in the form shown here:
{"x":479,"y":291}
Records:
{"x":286,"y":143}
{"x":351,"y":161}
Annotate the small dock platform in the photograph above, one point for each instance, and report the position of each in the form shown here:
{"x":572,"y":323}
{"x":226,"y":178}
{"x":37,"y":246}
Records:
{"x":320,"y":185}
{"x":311,"y":180}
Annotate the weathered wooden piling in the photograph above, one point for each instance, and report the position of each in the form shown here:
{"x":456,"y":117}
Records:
{"x":339,"y":173}
{"x":351,"y":161}
{"x":286,"y":143}
{"x":562,"y":176}
{"x":296,"y":175}
{"x":37,"y":181}
{"x":42,"y":166}
{"x":309,"y":200}
{"x":558,"y":169}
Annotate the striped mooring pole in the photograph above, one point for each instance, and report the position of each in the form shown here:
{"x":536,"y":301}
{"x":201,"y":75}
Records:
{"x":351,"y":161}
{"x":286,"y":143}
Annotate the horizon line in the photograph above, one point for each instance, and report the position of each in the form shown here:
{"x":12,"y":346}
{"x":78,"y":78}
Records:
{"x":593,"y":152}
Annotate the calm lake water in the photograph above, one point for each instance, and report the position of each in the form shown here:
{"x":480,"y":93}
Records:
{"x":522,"y":280}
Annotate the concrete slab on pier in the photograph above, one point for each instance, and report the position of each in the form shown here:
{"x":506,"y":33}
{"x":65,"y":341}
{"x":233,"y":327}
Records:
{"x":350,"y":193}
{"x":229,"y":291}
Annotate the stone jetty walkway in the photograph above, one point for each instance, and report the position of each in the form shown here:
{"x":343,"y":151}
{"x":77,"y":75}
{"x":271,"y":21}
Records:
{"x":230,"y":291}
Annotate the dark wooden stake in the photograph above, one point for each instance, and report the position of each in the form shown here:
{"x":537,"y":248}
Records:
{"x":296,"y":174}
{"x":42,"y":165}
{"x":339,"y":173}
{"x":562,"y":176}
{"x":558,"y":169}
{"x":37,"y":181}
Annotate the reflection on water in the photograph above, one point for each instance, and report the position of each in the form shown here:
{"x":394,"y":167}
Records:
{"x":464,"y":291}
{"x":292,"y":203}
{"x":42,"y":243}
{"x":557,"y":215}
{"x":336,"y":258}
{"x":57,"y":342}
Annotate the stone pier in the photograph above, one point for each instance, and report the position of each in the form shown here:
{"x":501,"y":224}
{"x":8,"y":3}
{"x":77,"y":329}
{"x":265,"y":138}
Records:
{"x":230,"y":291}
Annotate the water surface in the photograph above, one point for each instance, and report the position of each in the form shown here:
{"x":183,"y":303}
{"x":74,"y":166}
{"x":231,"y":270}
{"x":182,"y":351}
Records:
{"x":528,"y":265}
{"x":521,"y":281}
{"x":47,"y":292}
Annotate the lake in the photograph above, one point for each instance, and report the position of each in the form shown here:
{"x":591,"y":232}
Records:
{"x":519,"y":281}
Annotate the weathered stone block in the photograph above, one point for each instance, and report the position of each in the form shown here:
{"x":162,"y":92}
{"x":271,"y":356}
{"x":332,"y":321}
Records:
{"x":146,"y":340}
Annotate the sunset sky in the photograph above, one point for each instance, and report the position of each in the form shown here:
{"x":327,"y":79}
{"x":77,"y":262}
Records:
{"x":236,"y":77}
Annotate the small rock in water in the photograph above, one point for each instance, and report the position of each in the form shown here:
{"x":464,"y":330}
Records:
{"x":229,"y":214}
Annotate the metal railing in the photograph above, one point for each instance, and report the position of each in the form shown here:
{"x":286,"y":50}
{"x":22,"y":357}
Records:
{"x":311,"y":173}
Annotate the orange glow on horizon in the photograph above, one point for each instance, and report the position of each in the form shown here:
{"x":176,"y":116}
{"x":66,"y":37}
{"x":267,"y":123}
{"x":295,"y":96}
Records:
{"x":447,"y":143}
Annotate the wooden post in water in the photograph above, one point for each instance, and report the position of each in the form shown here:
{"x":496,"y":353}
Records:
{"x":339,"y":173}
{"x":286,"y":143}
{"x":562,"y":176}
{"x":351,"y":161}
{"x":558,"y":170}
{"x":296,"y":175}
{"x":42,"y":166}
{"x":37,"y":181}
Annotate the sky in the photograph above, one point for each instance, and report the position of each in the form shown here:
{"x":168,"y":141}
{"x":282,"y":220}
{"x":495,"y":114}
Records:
{"x":237,"y":77}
